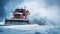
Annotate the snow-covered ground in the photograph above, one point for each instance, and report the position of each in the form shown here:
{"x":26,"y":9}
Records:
{"x":29,"y":29}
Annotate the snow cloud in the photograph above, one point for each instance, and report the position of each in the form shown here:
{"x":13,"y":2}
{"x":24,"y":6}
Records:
{"x":47,"y":9}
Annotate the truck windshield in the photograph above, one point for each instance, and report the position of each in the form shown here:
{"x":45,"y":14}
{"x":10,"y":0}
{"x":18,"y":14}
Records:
{"x":20,"y":10}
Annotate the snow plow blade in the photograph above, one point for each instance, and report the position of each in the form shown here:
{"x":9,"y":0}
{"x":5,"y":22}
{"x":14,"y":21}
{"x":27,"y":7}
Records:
{"x":16,"y":22}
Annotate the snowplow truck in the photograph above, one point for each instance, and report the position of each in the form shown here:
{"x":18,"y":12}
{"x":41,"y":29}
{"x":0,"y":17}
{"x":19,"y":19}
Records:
{"x":19,"y":17}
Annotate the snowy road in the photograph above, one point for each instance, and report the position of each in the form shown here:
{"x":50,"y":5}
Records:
{"x":29,"y":29}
